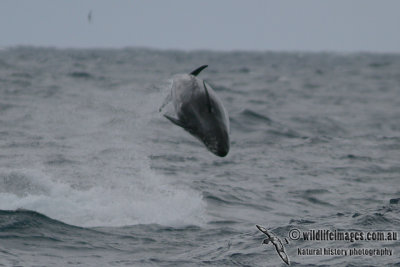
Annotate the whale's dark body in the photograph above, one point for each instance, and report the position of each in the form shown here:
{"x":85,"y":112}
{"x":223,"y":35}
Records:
{"x":200,"y":112}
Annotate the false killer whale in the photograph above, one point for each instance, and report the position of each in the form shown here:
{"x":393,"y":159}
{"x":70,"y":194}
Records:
{"x":199,"y":111}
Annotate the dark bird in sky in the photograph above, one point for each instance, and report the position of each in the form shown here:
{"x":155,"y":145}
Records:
{"x":89,"y":16}
{"x":276,"y":242}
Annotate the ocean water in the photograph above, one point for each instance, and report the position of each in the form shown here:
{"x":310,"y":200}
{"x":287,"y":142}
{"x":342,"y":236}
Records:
{"x":92,"y":174}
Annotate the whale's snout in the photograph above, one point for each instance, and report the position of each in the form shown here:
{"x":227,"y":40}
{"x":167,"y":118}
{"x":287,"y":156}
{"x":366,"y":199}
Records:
{"x":222,"y":150}
{"x":218,"y":144}
{"x":222,"y":153}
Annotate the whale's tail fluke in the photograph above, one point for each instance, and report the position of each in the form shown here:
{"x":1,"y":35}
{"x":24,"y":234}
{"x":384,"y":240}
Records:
{"x":198,"y":70}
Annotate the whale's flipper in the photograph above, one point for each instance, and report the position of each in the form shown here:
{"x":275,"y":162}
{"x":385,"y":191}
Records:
{"x":166,"y":101}
{"x":208,"y":97}
{"x":175,"y":121}
{"x":198,"y":70}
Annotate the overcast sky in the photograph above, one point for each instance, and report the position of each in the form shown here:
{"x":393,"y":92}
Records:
{"x":307,"y":25}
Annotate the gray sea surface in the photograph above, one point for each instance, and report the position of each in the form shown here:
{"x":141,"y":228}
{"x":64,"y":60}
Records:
{"x":92,"y":174}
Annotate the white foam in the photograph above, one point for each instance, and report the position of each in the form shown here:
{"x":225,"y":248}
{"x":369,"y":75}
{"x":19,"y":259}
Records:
{"x":152,"y":200}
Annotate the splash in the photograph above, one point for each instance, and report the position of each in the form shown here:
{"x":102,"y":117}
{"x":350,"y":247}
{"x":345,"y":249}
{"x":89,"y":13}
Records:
{"x":145,"y":200}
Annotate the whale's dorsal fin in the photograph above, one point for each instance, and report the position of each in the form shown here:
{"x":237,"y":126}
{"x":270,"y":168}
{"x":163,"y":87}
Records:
{"x":175,"y":121}
{"x":198,"y":70}
{"x":208,"y":97}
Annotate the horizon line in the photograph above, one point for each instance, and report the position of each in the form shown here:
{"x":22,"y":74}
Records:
{"x":189,"y":50}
